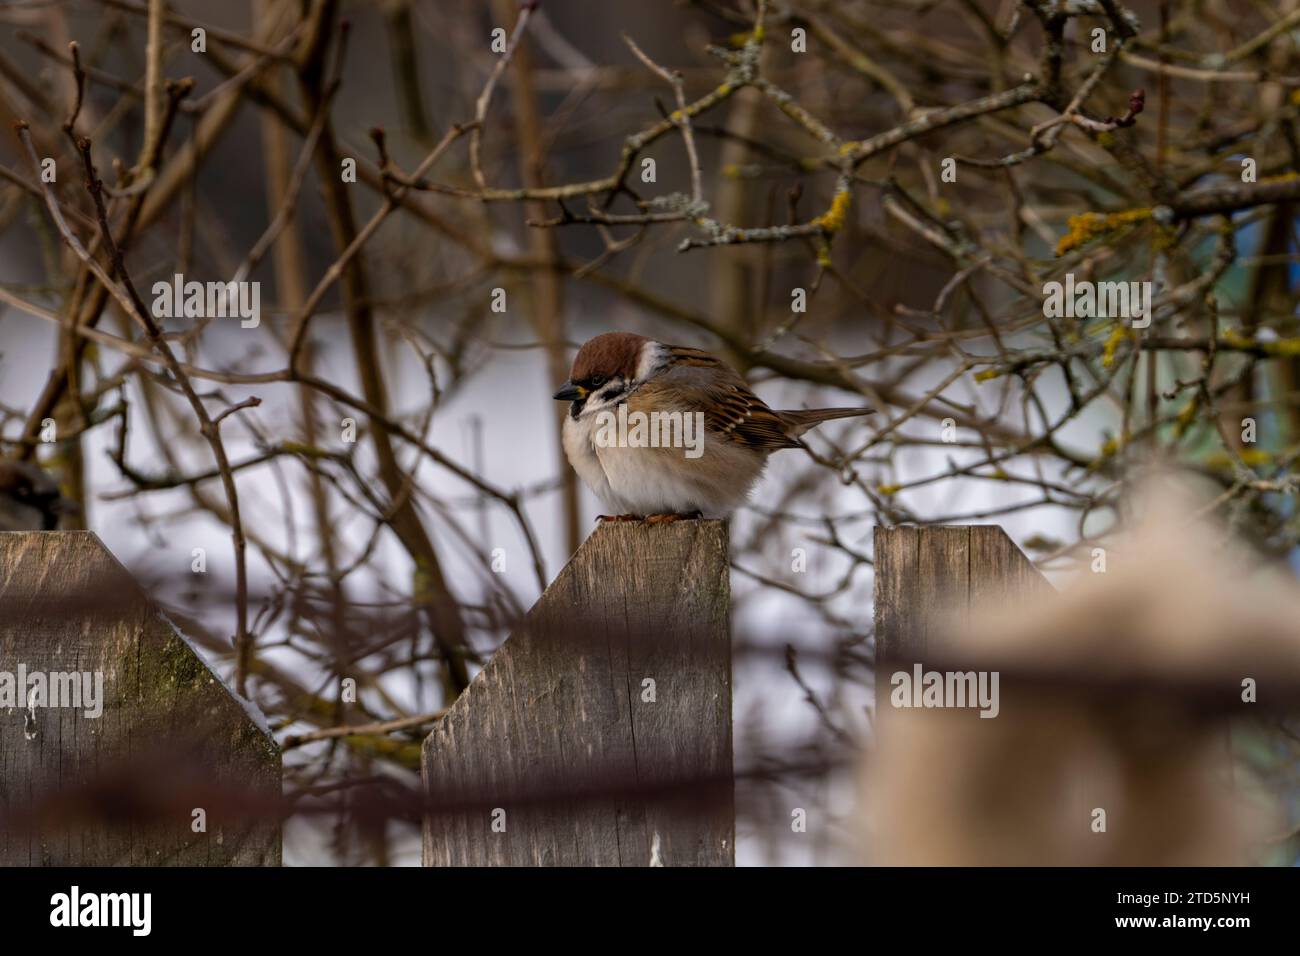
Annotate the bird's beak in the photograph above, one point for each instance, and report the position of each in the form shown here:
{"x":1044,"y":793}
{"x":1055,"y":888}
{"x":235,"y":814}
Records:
{"x":570,"y":393}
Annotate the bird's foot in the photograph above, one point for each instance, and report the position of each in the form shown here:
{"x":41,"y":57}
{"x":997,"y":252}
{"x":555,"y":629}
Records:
{"x":618,"y":517}
{"x":666,"y":518}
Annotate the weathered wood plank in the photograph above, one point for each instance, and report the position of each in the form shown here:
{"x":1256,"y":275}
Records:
{"x":1000,"y":572}
{"x":927,"y":582}
{"x":1086,"y":723}
{"x":896,"y":567}
{"x":600,"y":732}
{"x":119,"y":787}
{"x":922,"y":576}
{"x":942,"y":584}
{"x":927,"y":577}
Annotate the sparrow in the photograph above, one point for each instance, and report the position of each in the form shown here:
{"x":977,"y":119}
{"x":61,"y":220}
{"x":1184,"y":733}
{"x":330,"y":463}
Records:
{"x":29,"y":498}
{"x":637,"y":481}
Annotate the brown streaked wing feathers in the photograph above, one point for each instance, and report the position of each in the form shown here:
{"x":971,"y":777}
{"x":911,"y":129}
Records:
{"x":697,"y":381}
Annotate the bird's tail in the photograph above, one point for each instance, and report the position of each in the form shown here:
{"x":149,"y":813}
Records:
{"x":799,"y":420}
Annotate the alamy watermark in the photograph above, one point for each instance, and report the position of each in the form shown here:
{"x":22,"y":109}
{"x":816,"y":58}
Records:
{"x":77,"y":690}
{"x":75,"y":908}
{"x":651,"y":430}
{"x":1086,"y":299}
{"x":208,"y":300}
{"x":946,"y":689}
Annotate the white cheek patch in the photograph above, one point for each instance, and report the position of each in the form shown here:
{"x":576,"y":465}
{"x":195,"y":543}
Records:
{"x":653,"y":357}
{"x":596,"y":402}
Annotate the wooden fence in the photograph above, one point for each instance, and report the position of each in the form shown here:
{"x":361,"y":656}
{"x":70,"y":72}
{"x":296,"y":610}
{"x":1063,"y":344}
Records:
{"x":110,"y":707}
{"x":949,"y":569}
{"x":598,"y":734}
{"x":1124,"y":717}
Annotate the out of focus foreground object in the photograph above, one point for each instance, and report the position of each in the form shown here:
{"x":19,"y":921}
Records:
{"x":118,"y":746}
{"x":599,"y":734}
{"x":1125,"y":702}
{"x":29,"y":498}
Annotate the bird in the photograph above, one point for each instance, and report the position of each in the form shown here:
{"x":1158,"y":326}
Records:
{"x":724,"y":431}
{"x":29,"y":498}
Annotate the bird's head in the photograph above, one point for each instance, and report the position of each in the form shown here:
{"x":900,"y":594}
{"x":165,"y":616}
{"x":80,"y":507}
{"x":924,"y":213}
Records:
{"x":607,"y":368}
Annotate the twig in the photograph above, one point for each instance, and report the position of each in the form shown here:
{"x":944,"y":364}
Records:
{"x":485,"y":97}
{"x":134,"y":307}
{"x":351,"y":730}
{"x":680,"y":116}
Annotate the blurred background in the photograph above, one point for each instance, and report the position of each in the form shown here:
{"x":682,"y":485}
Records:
{"x":872,"y":196}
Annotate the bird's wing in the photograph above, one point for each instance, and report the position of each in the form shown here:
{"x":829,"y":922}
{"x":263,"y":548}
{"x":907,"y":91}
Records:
{"x":699,"y":382}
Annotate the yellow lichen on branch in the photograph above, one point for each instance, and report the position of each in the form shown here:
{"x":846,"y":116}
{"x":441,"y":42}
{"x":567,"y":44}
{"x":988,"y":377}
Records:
{"x":832,"y":220}
{"x":1279,"y":348}
{"x":1085,"y":227}
{"x":1186,"y":417}
{"x":1117,"y":335}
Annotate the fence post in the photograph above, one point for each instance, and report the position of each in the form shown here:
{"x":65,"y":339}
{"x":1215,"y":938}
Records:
{"x":600,"y":732}
{"x":921,"y":572}
{"x":173,"y":770}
